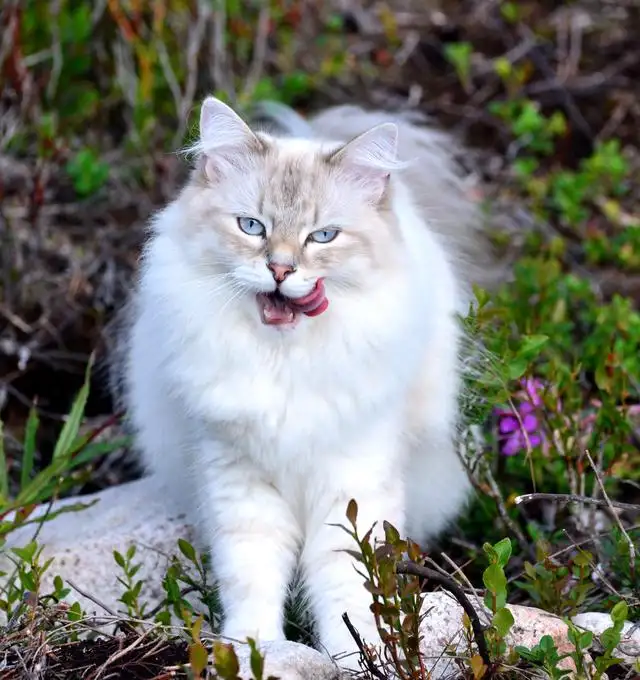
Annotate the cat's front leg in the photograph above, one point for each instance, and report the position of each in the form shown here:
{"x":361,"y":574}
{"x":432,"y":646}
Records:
{"x":254,"y":540}
{"x":332,"y":582}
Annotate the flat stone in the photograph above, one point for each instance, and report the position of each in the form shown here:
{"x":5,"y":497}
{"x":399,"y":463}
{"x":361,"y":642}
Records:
{"x":442,"y":628}
{"x":82,"y":543}
{"x":290,"y":661}
{"x":598,"y":622}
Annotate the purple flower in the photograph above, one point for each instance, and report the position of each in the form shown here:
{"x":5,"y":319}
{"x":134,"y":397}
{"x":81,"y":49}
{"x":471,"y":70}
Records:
{"x":519,"y":429}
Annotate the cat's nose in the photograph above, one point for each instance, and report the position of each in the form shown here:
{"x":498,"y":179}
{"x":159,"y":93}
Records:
{"x":280,"y":271}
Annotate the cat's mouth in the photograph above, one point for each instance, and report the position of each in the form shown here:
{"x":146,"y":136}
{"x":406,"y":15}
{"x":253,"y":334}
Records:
{"x":278,"y":310}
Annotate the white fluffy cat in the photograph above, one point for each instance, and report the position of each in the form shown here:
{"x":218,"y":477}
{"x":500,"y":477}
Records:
{"x":294,"y":345}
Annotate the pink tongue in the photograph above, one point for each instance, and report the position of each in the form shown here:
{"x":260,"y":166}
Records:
{"x":313,"y":303}
{"x":277,"y":310}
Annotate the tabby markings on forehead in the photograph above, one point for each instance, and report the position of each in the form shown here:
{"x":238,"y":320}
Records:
{"x":290,"y":196}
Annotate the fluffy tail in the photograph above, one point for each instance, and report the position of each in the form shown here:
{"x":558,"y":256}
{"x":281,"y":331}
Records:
{"x":446,"y":194}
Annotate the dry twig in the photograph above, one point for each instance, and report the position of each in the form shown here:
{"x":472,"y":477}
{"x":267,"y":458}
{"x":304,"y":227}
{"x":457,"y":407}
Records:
{"x":575,"y":498}
{"x":452,"y":587}
{"x":610,"y":504}
{"x":363,"y":651}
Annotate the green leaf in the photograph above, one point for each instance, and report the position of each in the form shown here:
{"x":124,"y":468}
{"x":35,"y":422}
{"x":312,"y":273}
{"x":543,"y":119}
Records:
{"x":187,"y":550}
{"x":517,"y":367}
{"x":503,"y":550}
{"x":87,"y":172}
{"x":547,"y":644}
{"x":74,"y":612}
{"x":198,"y":658}
{"x":610,"y":639}
{"x":4,"y":472}
{"x":535,"y":655}
{"x":27,"y":553}
{"x":357,"y":556}
{"x":163,"y":618}
{"x":503,"y":620}
{"x":120,"y":561}
{"x":586,"y":639}
{"x":490,"y":552}
{"x":225,"y":660}
{"x":29,"y":449}
{"x":69,"y":433}
{"x":256,"y":660}
{"x":495,"y":581}
{"x":620,"y":612}
{"x":391,"y":533}
{"x":532,"y":346}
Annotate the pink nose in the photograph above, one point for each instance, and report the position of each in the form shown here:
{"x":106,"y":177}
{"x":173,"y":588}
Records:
{"x":280,"y":271}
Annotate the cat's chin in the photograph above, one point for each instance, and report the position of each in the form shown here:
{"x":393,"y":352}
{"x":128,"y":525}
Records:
{"x":278,"y":310}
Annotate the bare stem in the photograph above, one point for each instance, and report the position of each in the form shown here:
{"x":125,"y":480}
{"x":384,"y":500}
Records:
{"x":575,"y":498}
{"x":452,"y":587}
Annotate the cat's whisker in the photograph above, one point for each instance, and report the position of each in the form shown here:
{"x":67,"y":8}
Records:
{"x":235,"y":296}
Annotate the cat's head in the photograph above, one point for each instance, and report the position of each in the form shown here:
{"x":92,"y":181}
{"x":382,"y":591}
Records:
{"x":288,"y":222}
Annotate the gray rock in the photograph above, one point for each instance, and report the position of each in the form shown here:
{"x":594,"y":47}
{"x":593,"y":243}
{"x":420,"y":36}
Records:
{"x":82,"y":542}
{"x":290,"y":661}
{"x":597,"y":623}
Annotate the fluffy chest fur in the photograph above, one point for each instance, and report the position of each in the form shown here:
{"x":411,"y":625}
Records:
{"x":279,"y":395}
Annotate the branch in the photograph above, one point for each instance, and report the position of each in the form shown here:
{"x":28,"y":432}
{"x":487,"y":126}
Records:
{"x":259,"y":52}
{"x":575,"y":498}
{"x":452,"y":587}
{"x":610,"y":504}
{"x":363,"y":652}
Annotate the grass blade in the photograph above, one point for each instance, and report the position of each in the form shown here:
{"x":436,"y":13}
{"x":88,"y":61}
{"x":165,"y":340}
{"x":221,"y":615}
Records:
{"x":69,"y":432}
{"x":4,"y":472}
{"x":29,"y":450}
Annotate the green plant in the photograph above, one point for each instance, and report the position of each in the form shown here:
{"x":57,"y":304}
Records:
{"x":495,"y":597}
{"x":534,"y":131}
{"x":556,"y":587}
{"x":459,"y":54}
{"x":71,"y":453}
{"x":610,"y":639}
{"x":397,"y":598}
{"x":622,"y":569}
{"x":88,"y":173}
{"x":546,"y":656}
{"x":180,"y":580}
{"x":131,"y":595}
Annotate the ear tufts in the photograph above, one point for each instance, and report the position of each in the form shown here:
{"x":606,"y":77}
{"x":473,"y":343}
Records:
{"x":226,"y":141}
{"x":369,"y":159}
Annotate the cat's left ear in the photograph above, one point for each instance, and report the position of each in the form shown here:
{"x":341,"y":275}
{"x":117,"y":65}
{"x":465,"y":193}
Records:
{"x":225,"y":139}
{"x":369,"y":159}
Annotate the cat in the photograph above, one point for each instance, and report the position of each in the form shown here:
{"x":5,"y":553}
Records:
{"x":294,"y":344}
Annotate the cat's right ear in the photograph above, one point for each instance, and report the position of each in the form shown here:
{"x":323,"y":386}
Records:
{"x":226,"y":140}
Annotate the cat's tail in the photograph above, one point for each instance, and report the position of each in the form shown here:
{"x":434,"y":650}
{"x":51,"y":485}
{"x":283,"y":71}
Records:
{"x":271,"y":114}
{"x":447,"y":194}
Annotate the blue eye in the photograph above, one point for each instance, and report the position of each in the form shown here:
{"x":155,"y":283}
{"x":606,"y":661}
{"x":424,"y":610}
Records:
{"x":323,"y":235}
{"x":251,"y":226}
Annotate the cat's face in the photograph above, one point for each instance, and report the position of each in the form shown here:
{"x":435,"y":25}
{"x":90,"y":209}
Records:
{"x":280,"y":219}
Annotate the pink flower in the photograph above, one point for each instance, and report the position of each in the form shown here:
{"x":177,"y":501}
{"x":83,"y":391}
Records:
{"x":519,"y":429}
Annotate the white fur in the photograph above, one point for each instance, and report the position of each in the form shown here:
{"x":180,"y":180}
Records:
{"x":266,"y":435}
